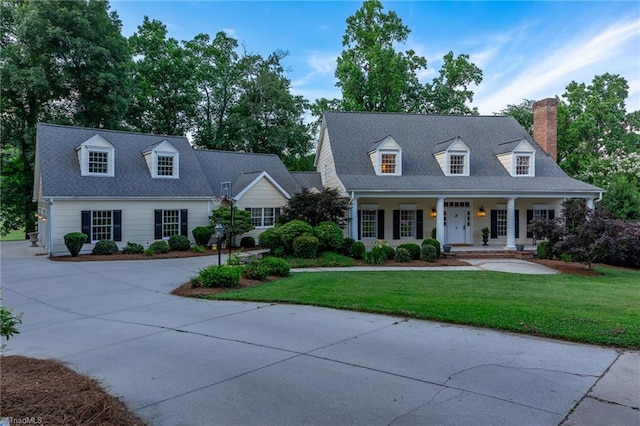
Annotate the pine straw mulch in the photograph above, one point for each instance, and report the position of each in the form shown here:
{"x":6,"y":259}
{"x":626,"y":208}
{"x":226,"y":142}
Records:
{"x":141,"y":256}
{"x":572,"y":268}
{"x":56,"y":395}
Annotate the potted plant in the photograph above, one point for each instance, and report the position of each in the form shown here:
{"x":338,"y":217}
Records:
{"x":485,"y":235}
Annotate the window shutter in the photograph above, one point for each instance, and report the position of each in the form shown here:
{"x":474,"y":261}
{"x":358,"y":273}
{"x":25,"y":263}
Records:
{"x":494,"y":223}
{"x":551,"y":214}
{"x":517,"y":224}
{"x":396,"y":224}
{"x":381,"y":224}
{"x":359,"y":224}
{"x":157,"y":224}
{"x":117,"y":225}
{"x":184,"y":226}
{"x":419,"y":224}
{"x":529,"y":219}
{"x":86,"y":224}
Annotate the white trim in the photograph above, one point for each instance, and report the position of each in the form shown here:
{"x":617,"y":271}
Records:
{"x":96,"y":144}
{"x":256,"y":180}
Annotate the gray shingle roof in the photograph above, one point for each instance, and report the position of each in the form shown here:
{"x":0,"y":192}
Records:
{"x":308,"y":179}
{"x":60,"y":168}
{"x":352,"y":134}
{"x":242,"y":168}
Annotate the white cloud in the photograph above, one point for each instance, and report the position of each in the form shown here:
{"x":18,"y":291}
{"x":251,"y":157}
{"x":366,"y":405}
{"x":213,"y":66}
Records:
{"x":322,"y":63}
{"x":231,"y":32}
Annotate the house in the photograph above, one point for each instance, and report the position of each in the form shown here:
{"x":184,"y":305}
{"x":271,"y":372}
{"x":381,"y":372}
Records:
{"x":409,"y":174}
{"x":136,"y":187}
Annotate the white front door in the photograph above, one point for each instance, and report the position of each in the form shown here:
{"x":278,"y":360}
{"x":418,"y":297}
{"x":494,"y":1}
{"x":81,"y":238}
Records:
{"x":456,"y":225}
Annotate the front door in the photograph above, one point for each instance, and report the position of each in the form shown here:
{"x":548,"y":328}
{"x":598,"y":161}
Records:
{"x":456,"y":225}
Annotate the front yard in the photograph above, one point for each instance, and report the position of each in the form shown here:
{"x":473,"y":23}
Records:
{"x":601,"y":310}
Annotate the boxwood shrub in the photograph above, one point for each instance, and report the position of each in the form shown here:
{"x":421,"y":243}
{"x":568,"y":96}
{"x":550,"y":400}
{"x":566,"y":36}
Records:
{"x":247,"y":242}
{"x":105,"y":247}
{"x":414,"y":249}
{"x":217,"y":276}
{"x":345,"y":247}
{"x":329,"y":236}
{"x":74,"y":242}
{"x":402,"y":255}
{"x":179,"y":243}
{"x":270,"y":239}
{"x":435,"y":243}
{"x":305,"y":246}
{"x":202,"y":235}
{"x":290,"y":231}
{"x":543,"y":250}
{"x":256,"y":270}
{"x":133,"y":248}
{"x":277,"y":266}
{"x":158,"y":247}
{"x":429,"y":253}
{"x":358,"y":250}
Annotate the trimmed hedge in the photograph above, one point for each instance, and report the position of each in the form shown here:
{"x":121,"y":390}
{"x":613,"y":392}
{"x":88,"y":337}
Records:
{"x":256,"y":270}
{"x":270,"y":239}
{"x":414,"y":249}
{"x":305,"y":246}
{"x":277,"y":266}
{"x":179,"y":243}
{"x":358,"y":250}
{"x":202,"y":235}
{"x":435,"y":243}
{"x":158,"y":247}
{"x":247,"y":242}
{"x":543,"y":250}
{"x":292,"y":230}
{"x":105,"y":247}
{"x":133,"y":248}
{"x":329,"y":236}
{"x":429,"y":253}
{"x":74,"y":242}
{"x":217,"y":276}
{"x":345,"y":247}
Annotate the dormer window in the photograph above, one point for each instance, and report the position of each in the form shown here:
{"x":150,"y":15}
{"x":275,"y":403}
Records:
{"x":163,"y":160}
{"x":518,"y":158}
{"x":96,"y":157}
{"x":386,"y":157}
{"x":453,"y":157}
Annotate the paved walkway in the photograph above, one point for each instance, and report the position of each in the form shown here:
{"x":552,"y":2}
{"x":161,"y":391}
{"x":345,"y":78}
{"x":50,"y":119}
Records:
{"x":193,"y":362}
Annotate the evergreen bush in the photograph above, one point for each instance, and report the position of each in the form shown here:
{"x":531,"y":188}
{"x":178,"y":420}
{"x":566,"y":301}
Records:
{"x":414,"y":249}
{"x":179,"y":243}
{"x":402,"y":255}
{"x":345,"y":247}
{"x":389,"y":251}
{"x":256,"y":270}
{"x":247,"y":242}
{"x":292,"y":230}
{"x":217,"y":276}
{"x":133,"y":248}
{"x":202,"y":235}
{"x":329,"y":236}
{"x":375,"y":256}
{"x":429,"y":253}
{"x":435,"y":243}
{"x":305,"y":246}
{"x":158,"y":247}
{"x":105,"y":247}
{"x":358,"y":250}
{"x":270,"y":239}
{"x":277,"y":266}
{"x":543,"y":250}
{"x":74,"y":242}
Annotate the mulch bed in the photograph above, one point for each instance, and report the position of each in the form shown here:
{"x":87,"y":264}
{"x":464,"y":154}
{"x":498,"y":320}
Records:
{"x":573,"y":268}
{"x":53,"y":394}
{"x":142,"y":256}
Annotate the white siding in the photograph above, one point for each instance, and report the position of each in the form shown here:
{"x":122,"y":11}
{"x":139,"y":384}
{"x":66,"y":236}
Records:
{"x":506,"y":160}
{"x":325,"y":158}
{"x":441,"y":158}
{"x":262,"y":194}
{"x":137,"y":218}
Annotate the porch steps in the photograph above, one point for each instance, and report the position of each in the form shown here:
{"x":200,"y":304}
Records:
{"x":489,"y":254}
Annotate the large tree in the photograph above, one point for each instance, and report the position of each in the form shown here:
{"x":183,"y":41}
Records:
{"x":522,"y":112}
{"x":62,"y":62}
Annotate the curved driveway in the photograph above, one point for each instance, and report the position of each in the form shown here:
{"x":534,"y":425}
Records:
{"x":179,"y":361}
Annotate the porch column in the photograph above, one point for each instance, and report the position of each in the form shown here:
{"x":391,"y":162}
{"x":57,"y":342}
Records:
{"x":590,"y":203}
{"x":511,"y":224}
{"x":354,"y":218}
{"x":440,"y":220}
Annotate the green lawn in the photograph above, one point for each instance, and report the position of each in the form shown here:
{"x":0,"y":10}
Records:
{"x":17,"y":235}
{"x":602,"y":310}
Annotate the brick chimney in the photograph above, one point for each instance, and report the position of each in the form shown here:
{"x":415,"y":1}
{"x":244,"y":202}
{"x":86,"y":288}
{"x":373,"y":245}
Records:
{"x":545,"y":126}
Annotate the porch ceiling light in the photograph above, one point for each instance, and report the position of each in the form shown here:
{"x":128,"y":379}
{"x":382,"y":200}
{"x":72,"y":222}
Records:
{"x":433,"y":213}
{"x":482,"y":212}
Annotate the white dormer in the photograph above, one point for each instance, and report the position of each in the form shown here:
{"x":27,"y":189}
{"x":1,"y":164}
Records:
{"x":96,"y":157}
{"x":519,"y":159}
{"x":386,"y":157}
{"x":163,"y":160}
{"x":453,"y":156}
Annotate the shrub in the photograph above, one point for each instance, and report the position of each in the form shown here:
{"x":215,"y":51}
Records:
{"x":133,"y":248}
{"x":345,"y":248}
{"x":158,"y":247}
{"x":543,"y":250}
{"x":389,"y":251}
{"x":402,"y":255}
{"x":375,"y":256}
{"x":358,"y":250}
{"x":277,"y":266}
{"x":414,"y":249}
{"x":329,"y":236}
{"x":198,"y":249}
{"x":270,"y":239}
{"x":290,"y":231}
{"x":256,"y":270}
{"x":217,"y":276}
{"x":433,"y":242}
{"x":429,"y":253}
{"x":434,"y":232}
{"x":8,"y":323}
{"x":202,"y":235}
{"x":305,"y":246}
{"x":247,"y":242}
{"x":74,"y":242}
{"x":105,"y":247}
{"x":234,"y":259}
{"x":179,"y":243}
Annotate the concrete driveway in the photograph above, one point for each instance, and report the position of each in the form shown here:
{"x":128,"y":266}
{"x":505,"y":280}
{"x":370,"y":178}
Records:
{"x":179,"y":361}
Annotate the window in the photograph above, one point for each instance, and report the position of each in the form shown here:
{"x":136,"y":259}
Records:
{"x":388,"y":164}
{"x":369,"y":223}
{"x":523,"y":165}
{"x":165,"y":165}
{"x":456,"y":164}
{"x":170,"y":223}
{"x":101,"y":222}
{"x":407,"y":223}
{"x":98,"y":162}
{"x":502,"y":222}
{"x":262,"y":217}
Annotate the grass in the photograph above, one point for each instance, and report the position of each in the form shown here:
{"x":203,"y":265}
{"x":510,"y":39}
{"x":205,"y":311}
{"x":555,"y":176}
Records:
{"x":17,"y":235}
{"x":600,"y":310}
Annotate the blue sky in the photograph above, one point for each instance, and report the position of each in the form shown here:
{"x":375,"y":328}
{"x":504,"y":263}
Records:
{"x":526,"y":49}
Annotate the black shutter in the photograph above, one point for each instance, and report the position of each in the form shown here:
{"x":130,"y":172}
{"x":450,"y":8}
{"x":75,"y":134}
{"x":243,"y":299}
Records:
{"x":381,"y":224}
{"x":494,"y":223}
{"x":359,"y":224}
{"x":184,"y":225}
{"x":552,"y":214}
{"x":529,"y":219}
{"x":157,"y":224}
{"x":396,"y":224}
{"x":117,"y":225}
{"x":86,"y":224}
{"x":517,"y":223}
{"x":419,"y":224}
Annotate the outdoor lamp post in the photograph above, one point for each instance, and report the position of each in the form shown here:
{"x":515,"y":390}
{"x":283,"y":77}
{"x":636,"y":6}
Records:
{"x":218,"y":231}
